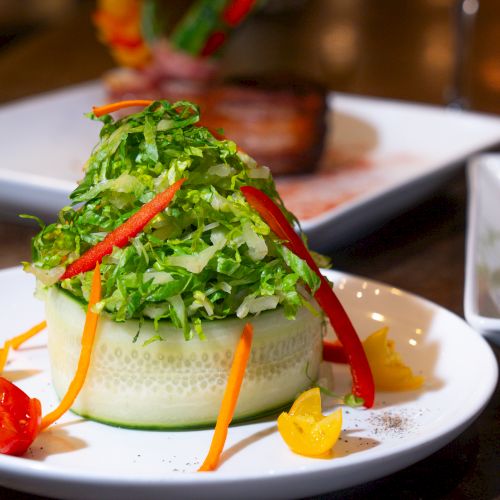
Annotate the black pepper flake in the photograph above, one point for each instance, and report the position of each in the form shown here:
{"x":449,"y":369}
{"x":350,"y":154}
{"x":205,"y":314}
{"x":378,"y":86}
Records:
{"x":390,"y":423}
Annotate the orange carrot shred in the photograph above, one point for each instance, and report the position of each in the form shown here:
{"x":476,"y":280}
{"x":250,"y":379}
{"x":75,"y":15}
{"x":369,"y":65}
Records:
{"x":88,"y":336}
{"x":229,"y":400}
{"x":16,"y":342}
{"x":116,"y":106}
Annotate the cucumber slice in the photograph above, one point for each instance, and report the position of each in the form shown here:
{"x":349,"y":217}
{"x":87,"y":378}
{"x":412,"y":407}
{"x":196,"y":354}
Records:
{"x":176,"y":383}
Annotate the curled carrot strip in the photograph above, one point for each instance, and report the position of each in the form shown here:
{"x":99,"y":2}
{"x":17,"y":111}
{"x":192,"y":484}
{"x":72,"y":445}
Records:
{"x":116,"y":106}
{"x":88,"y":337}
{"x":229,"y":400}
{"x":16,"y":342}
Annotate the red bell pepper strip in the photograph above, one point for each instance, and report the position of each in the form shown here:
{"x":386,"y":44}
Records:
{"x":333,"y":352}
{"x":20,"y":418}
{"x":363,"y":385}
{"x":214,"y":41}
{"x":120,"y":236}
{"x":236,"y":11}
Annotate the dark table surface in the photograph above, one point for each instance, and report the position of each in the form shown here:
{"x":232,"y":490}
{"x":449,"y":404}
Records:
{"x":422,"y":250}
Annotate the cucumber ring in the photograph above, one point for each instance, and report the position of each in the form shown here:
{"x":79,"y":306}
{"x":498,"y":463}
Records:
{"x":174,"y":383}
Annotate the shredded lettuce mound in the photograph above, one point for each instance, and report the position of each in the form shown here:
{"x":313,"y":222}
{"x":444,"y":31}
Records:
{"x":207,"y":256}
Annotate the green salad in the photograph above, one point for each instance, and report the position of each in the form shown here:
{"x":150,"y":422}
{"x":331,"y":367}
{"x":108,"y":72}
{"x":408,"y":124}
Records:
{"x":207,"y":256}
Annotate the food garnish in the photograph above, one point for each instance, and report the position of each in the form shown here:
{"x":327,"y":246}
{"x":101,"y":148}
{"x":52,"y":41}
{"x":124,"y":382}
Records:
{"x":230,"y":399}
{"x":88,"y":337}
{"x":129,"y":27}
{"x":120,"y":26}
{"x":120,"y":236}
{"x":17,"y":341}
{"x":389,"y":370}
{"x":21,"y":416}
{"x":306,"y":430}
{"x":118,"y":106}
{"x":334,"y":352}
{"x":363,"y":385}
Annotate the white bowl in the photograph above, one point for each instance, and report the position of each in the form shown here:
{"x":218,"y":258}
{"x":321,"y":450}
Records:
{"x":482,"y":273}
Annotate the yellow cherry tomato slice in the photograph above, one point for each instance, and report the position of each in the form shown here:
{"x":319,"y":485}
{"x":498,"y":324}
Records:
{"x":308,"y":403}
{"x":389,"y":371}
{"x":305,"y":430}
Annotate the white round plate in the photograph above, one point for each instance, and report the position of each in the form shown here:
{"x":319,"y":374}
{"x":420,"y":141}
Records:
{"x":83,"y":459}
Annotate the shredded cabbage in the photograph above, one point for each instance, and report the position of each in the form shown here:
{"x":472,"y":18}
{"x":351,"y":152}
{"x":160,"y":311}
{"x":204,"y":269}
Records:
{"x":208,"y":255}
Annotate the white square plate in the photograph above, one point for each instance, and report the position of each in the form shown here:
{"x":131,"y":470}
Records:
{"x":381,"y":157}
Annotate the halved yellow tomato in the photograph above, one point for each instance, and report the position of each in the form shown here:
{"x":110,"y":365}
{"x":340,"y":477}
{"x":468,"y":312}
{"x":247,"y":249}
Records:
{"x":389,"y":371}
{"x":306,"y":430}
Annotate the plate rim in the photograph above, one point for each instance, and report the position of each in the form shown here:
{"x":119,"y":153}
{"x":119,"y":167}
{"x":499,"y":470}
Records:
{"x":435,"y":167}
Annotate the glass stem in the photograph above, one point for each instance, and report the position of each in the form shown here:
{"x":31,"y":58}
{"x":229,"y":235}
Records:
{"x":464,"y":16}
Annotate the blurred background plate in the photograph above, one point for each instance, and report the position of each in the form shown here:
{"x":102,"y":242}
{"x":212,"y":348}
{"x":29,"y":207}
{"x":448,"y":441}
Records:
{"x":482,"y":277}
{"x":380,"y":158}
